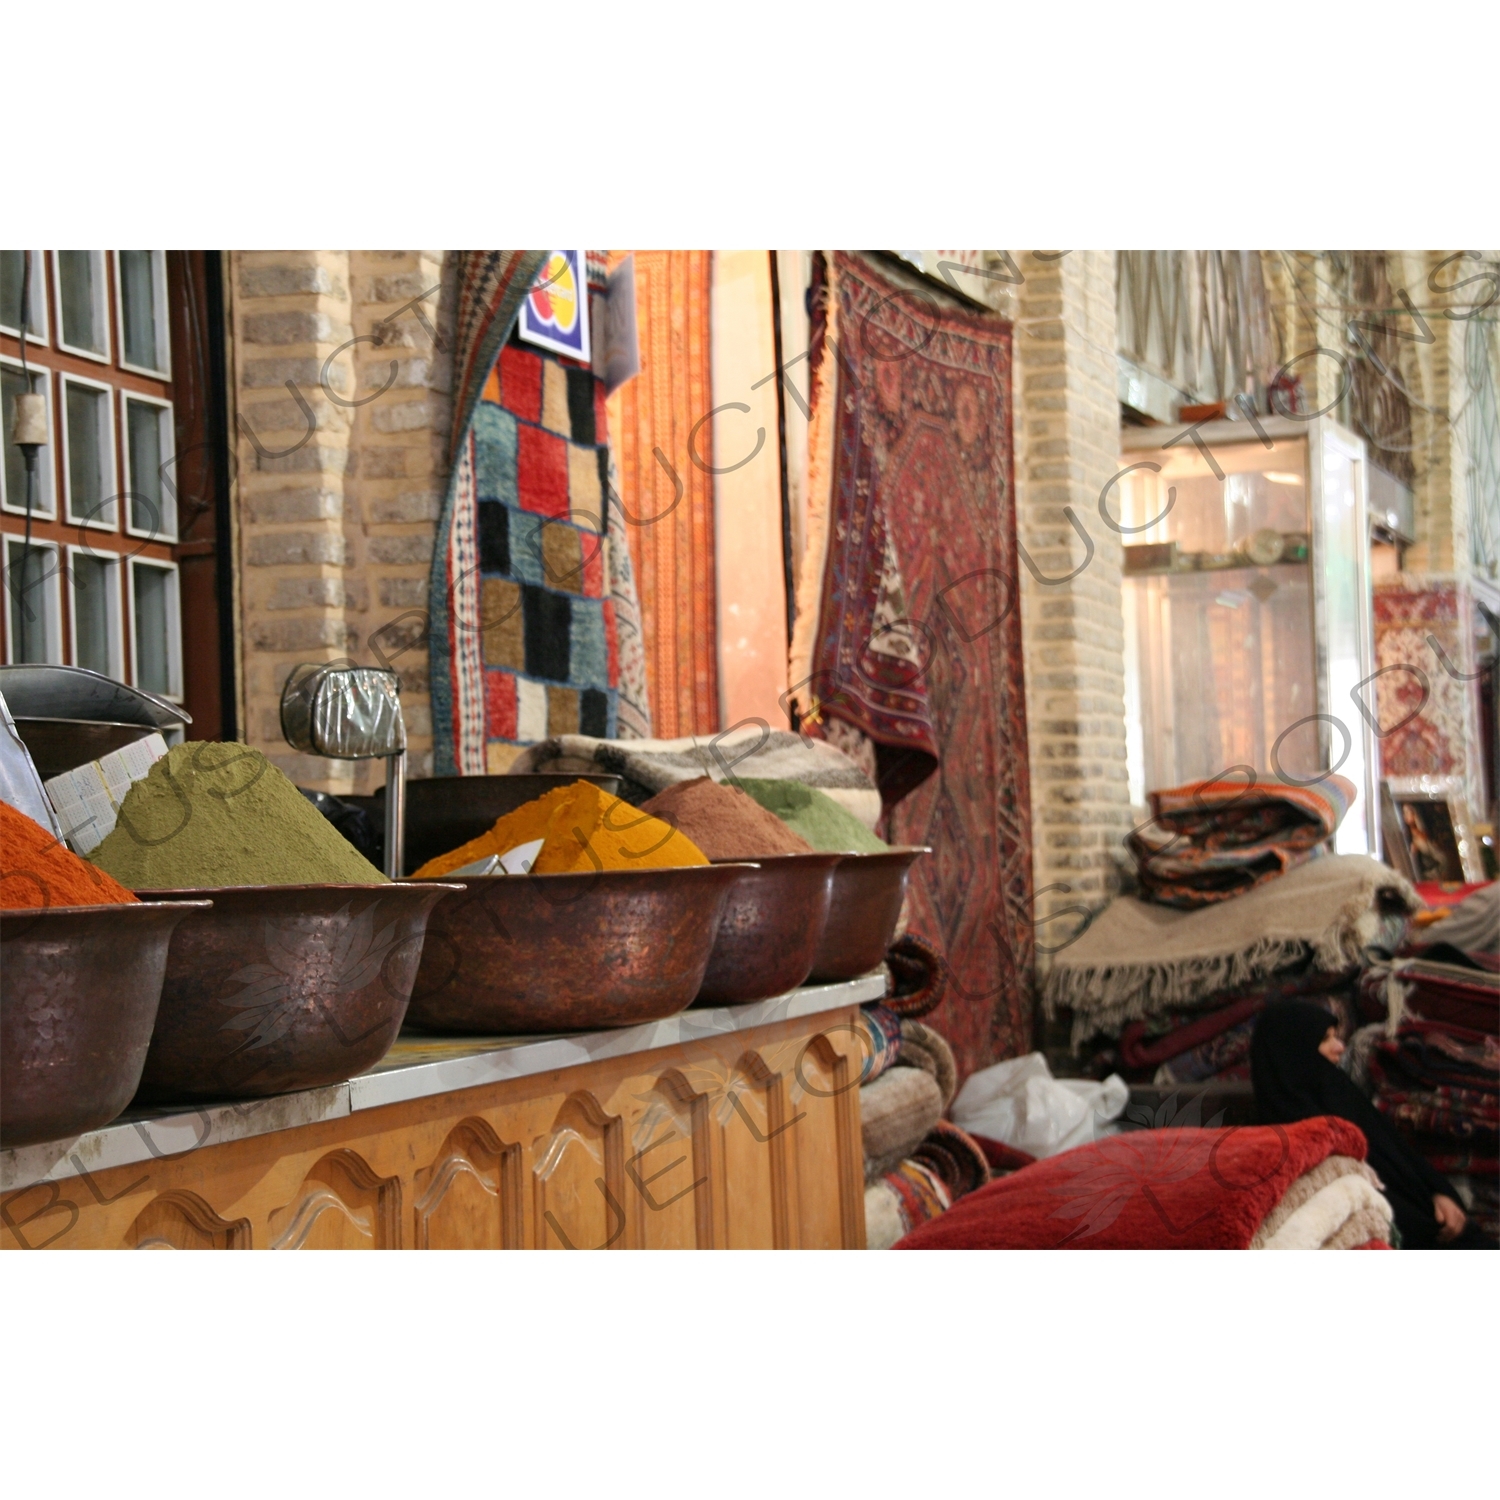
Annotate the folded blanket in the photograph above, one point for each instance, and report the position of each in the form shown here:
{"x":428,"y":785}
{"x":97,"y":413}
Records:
{"x":1462,"y":1114}
{"x":649,"y":766}
{"x":1303,"y":1191}
{"x":922,"y":1047}
{"x":1138,"y":958}
{"x":1324,"y":1220}
{"x":1446,"y":992}
{"x":1149,"y":1189}
{"x":1225,"y":1056}
{"x":1136,"y":1051}
{"x":1217,"y":839}
{"x":896,"y":1112}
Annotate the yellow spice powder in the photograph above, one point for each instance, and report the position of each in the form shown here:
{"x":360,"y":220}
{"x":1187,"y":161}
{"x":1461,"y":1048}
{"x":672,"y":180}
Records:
{"x":582,"y":829}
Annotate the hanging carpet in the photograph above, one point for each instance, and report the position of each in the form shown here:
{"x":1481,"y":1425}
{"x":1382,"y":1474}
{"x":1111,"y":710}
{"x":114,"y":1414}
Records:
{"x":535,"y":629}
{"x":907,"y":634}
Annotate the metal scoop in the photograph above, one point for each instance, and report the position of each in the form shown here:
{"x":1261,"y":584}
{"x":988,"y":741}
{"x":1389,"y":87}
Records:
{"x":353,"y":713}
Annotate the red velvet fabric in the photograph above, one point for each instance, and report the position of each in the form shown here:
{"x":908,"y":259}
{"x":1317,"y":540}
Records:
{"x":1143,"y":1190}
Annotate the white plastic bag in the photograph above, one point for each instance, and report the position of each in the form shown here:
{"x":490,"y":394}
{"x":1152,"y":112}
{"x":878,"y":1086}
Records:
{"x":1020,"y":1103}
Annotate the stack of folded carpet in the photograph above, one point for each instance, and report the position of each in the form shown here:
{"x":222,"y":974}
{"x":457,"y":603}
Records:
{"x":1168,"y":995}
{"x":1437,"y":1077}
{"x":1215,"y":840}
{"x":1290,"y":1187}
{"x":917,"y":1164}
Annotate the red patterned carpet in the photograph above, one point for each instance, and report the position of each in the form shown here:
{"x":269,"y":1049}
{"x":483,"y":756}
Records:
{"x":918,"y":642}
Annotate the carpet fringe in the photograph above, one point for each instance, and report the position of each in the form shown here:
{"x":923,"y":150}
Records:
{"x":1105,"y":997}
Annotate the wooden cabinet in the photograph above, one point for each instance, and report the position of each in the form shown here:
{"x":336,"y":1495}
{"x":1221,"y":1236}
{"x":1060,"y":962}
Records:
{"x":746,"y":1139}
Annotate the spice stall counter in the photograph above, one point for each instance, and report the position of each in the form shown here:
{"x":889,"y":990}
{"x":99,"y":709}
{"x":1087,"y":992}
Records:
{"x":735,"y":1127}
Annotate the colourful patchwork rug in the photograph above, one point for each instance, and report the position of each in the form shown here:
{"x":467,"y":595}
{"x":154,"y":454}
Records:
{"x":533,"y":599}
{"x":907,"y":633}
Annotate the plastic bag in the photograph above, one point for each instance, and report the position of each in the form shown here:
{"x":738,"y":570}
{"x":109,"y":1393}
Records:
{"x":19,"y":783}
{"x":1020,"y":1103}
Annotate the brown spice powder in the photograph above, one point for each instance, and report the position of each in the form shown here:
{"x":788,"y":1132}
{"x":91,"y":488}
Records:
{"x":723,"y":822}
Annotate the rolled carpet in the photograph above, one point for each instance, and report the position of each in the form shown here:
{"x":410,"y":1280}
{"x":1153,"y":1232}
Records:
{"x":922,"y":1047}
{"x":897,"y":1110}
{"x":900,"y":1200}
{"x":1146,"y":1190}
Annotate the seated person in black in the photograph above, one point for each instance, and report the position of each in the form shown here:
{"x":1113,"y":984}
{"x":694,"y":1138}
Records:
{"x":1294,"y":1066}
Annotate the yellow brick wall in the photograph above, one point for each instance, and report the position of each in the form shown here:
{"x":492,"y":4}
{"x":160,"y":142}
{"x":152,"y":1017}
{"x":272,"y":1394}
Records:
{"x":338,"y":481}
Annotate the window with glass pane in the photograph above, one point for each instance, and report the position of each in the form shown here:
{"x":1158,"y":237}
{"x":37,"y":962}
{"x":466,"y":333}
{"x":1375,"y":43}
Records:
{"x":31,"y":600}
{"x":95,"y":613}
{"x":148,"y":447}
{"x":141,"y":311}
{"x":1218,"y":613}
{"x":90,"y":466}
{"x":12,"y":265}
{"x":156,"y":629}
{"x":80,"y":275}
{"x":13,"y":384}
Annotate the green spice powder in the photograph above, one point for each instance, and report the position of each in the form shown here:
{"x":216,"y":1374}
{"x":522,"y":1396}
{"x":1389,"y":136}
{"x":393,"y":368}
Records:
{"x":221,"y":814}
{"x":814,"y":814}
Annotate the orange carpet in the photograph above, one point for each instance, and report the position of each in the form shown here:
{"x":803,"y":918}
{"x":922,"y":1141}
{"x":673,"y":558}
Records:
{"x":671,"y":539}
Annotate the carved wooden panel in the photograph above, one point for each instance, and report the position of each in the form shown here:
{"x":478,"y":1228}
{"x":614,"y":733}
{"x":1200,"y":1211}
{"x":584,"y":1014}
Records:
{"x":754,"y":1123}
{"x":183,"y":1221}
{"x":470,"y":1198}
{"x":733,"y":1140}
{"x":670,"y":1168}
{"x":578,"y":1178}
{"x":825,"y":1087}
{"x":341,"y":1205}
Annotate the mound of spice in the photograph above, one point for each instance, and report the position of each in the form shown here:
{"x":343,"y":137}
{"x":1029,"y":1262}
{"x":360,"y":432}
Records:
{"x":582,"y":829}
{"x":723,"y":822}
{"x":211,"y":814}
{"x":813,"y":814}
{"x":37,"y":871}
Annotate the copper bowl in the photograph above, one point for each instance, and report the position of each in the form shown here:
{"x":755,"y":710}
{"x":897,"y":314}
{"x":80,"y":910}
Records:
{"x":80,"y":995}
{"x":868,"y":890}
{"x":284,"y":987}
{"x":771,"y":929}
{"x":547,"y":953}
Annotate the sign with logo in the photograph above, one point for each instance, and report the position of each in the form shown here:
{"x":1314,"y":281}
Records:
{"x":555,"y":314}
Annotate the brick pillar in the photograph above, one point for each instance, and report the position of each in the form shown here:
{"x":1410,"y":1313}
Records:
{"x":291,"y":314}
{"x":1067,"y":448}
{"x":396,"y":478}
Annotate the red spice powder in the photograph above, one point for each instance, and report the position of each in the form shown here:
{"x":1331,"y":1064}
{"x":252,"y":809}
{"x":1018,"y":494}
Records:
{"x":38,"y":871}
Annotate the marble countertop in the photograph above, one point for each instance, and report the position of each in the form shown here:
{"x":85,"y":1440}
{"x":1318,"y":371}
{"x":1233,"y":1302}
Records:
{"x":414,"y":1068}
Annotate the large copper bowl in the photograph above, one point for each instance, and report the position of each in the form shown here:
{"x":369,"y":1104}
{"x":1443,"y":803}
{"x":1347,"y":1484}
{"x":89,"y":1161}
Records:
{"x":547,"y":953}
{"x":79,"y":989}
{"x":285,"y":987}
{"x":868,"y":890}
{"x":771,"y":929}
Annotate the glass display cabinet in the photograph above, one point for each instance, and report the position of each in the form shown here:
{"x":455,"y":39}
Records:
{"x":1247,"y":607}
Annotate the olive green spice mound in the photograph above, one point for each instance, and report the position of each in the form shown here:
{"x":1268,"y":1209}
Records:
{"x":813,"y":814}
{"x":213,"y":814}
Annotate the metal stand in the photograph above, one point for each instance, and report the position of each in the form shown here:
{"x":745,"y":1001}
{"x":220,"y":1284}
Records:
{"x":395,"y":814}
